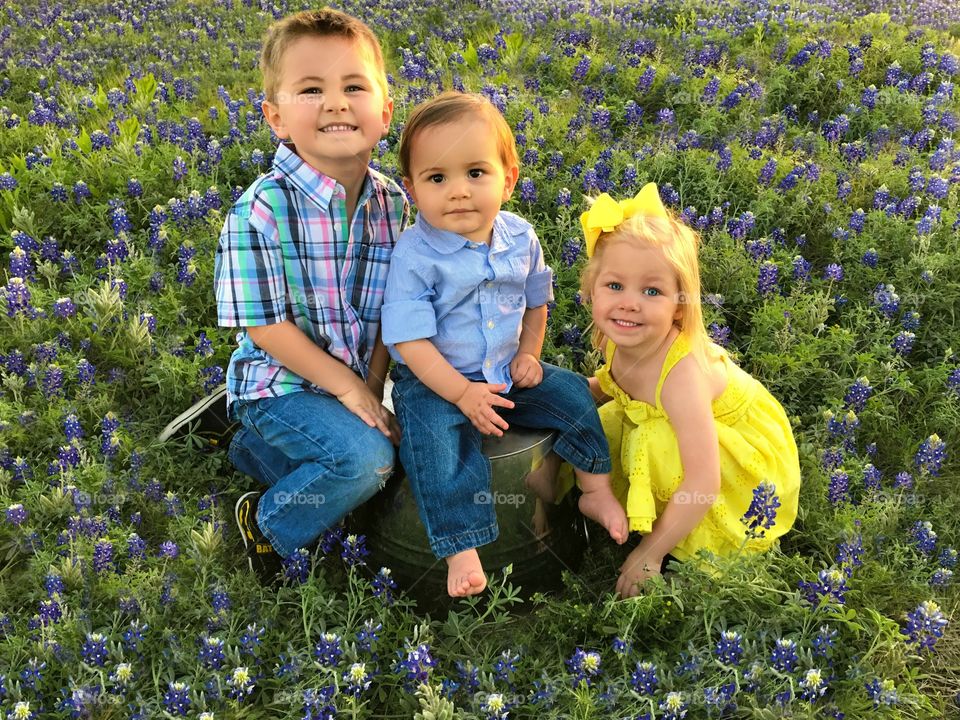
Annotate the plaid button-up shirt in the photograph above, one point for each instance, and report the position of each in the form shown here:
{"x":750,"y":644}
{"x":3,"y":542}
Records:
{"x":288,"y":252}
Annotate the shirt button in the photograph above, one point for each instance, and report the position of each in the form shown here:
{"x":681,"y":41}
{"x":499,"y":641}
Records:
{"x":487,"y":364}
{"x":490,"y":324}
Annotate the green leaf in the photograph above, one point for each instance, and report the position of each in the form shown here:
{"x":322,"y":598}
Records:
{"x":100,"y":99}
{"x":146,"y":88}
{"x":84,"y":143}
{"x":129,"y":130}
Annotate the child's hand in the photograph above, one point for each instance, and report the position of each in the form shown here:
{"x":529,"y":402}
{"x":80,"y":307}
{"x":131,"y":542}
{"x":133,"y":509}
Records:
{"x":477,"y":403}
{"x":361,"y":402}
{"x":525,"y":370}
{"x":636,"y":570}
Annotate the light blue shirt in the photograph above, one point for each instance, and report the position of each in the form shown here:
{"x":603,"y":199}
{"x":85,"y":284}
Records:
{"x":467,"y":298}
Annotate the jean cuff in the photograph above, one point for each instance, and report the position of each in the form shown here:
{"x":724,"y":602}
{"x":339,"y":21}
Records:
{"x":278,"y":547}
{"x":594,"y":465}
{"x":445,"y":547}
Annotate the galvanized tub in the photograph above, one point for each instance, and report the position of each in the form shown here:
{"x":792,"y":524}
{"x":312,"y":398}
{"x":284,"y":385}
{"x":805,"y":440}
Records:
{"x":538,"y":537}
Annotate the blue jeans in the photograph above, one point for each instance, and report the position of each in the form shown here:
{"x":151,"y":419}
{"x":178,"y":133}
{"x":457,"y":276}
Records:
{"x":319,"y":460}
{"x":441,"y":450}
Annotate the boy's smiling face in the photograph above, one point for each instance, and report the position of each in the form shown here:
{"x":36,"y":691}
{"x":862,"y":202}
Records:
{"x":457,"y":177}
{"x":329,"y":103}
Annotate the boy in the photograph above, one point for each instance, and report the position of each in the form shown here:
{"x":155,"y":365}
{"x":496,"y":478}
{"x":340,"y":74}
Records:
{"x":465,"y":314}
{"x":301,"y":269}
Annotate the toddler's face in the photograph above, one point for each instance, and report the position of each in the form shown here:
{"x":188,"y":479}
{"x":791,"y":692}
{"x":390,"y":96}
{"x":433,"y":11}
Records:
{"x":329,"y":103}
{"x":457,"y":178}
{"x":635,"y":298}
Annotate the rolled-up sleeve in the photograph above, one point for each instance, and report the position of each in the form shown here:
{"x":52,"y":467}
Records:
{"x":248,"y":273}
{"x":539,"y":287}
{"x":408,"y":312}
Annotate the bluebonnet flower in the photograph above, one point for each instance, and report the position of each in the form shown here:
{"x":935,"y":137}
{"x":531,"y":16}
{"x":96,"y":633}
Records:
{"x":134,"y":635}
{"x":728,"y":649}
{"x":16,"y":514}
{"x":882,"y":693}
{"x":240,"y":683}
{"x":948,"y":557}
{"x":721,"y":697}
{"x":831,"y":458}
{"x":564,"y":198}
{"x":8,"y":182}
{"x":384,"y":586}
{"x":858,"y":394}
{"x":94,"y":649}
{"x":762,"y":513}
{"x":58,"y":193}
{"x":871,"y":477}
{"x":582,"y":68}
{"x":930,"y":455}
{"x":528,"y":191}
{"x":925,"y":625}
{"x":583,"y":666}
{"x":665,"y":116}
{"x":177,"y":698}
{"x":21,"y":711}
{"x":120,"y":677}
{"x":570,"y":252}
{"x":823,"y":641}
{"x":784,"y":656}
{"x":830,"y":585}
{"x":496,"y":707}
{"x":367,"y":635}
{"x":767,"y":278}
{"x":102,"y":556}
{"x":644,"y":679}
{"x":801,"y":268}
{"x":169,"y":550}
{"x":296,"y":567}
{"x":941,"y":578}
{"x":814,"y":685}
{"x":136,"y":547}
{"x":767,"y":172}
{"x":923,"y":536}
{"x":328,"y":650}
{"x":211,"y":652}
{"x":416,"y":666}
{"x":318,"y":704}
{"x":674,"y":706}
{"x":505,"y":666}
{"x":910,"y":320}
{"x":357,"y":679}
{"x":903,"y":480}
{"x":839,"y":488}
{"x":354,"y":550}
{"x":903,"y":343}
{"x":833,"y":272}
{"x":720,"y":334}
{"x":64,"y":308}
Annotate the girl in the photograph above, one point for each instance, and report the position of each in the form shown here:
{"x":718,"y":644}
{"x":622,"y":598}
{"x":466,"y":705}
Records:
{"x":702,"y":453}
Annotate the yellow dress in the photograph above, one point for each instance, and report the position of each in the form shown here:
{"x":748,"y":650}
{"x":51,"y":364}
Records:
{"x":756,"y":444}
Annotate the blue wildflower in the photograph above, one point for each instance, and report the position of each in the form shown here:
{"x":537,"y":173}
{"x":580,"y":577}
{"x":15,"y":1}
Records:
{"x":930,"y":455}
{"x":728,"y":649}
{"x":903,"y":343}
{"x":762,"y":513}
{"x":328,"y":650}
{"x":583,"y":666}
{"x":177,"y":698}
{"x":923,"y":536}
{"x":925,"y":625}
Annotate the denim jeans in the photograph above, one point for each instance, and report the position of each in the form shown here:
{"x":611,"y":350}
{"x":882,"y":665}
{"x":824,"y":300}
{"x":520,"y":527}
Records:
{"x":440,"y":450}
{"x":318,"y":459}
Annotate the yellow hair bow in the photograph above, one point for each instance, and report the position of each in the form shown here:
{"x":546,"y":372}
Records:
{"x":606,"y":213}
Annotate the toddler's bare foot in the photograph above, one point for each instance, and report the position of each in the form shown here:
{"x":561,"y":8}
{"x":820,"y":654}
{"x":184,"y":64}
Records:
{"x":465,"y":574}
{"x":602,"y":506}
{"x":543,"y":480}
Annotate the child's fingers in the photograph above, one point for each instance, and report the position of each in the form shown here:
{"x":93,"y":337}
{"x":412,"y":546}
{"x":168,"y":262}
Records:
{"x":501,"y":401}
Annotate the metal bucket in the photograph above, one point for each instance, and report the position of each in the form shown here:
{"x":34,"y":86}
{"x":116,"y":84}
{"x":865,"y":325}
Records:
{"x":539,"y":538}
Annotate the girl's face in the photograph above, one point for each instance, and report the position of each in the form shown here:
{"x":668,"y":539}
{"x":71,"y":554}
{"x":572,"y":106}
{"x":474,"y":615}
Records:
{"x":636,"y":298}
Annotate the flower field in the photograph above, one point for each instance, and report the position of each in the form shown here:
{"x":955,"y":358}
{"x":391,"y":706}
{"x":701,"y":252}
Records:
{"x":812,"y":145}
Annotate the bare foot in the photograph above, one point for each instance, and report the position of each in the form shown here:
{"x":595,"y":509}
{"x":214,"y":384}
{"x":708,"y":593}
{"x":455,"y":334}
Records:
{"x":635,"y":571}
{"x":601,"y":505}
{"x":543,"y":479}
{"x":465,"y":574}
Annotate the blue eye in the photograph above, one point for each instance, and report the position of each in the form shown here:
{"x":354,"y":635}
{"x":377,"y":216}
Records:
{"x":614,"y":286}
{"x":651,"y":291}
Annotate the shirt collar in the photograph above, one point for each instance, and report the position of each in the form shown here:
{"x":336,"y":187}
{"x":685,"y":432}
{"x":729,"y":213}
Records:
{"x":446,"y":242}
{"x":320,"y":188}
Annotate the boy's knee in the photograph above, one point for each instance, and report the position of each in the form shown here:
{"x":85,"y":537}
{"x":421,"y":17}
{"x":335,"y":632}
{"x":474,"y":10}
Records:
{"x":375,"y":466}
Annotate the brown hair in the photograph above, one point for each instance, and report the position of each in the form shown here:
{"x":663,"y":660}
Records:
{"x":447,"y":107}
{"x":326,"y":22}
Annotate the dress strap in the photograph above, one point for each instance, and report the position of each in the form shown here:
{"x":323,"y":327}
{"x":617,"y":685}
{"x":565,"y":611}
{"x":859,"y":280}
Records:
{"x":679,"y":349}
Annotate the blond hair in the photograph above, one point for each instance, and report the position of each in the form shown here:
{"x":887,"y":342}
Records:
{"x":679,"y":245}
{"x":447,"y":107}
{"x":325,"y":22}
